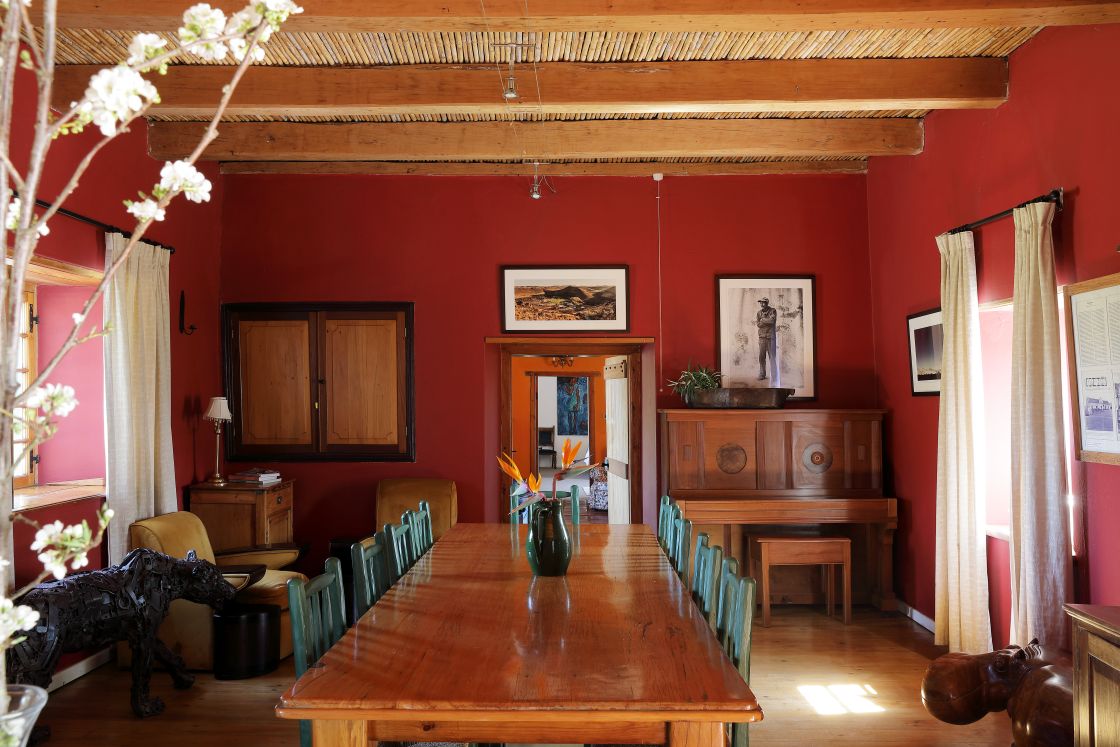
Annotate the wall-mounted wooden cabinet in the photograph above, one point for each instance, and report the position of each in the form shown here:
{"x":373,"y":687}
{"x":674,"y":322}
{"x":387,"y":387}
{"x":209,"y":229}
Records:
{"x":329,"y":381}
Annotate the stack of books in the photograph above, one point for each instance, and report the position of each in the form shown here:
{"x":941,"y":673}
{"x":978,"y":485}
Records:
{"x":256,"y":476}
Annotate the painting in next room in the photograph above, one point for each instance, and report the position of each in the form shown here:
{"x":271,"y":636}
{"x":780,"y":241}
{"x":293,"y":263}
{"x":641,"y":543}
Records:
{"x":572,"y":416}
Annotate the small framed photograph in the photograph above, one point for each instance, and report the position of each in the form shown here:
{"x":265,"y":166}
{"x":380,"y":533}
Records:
{"x":566,"y":299}
{"x":767,"y":333}
{"x":927,"y":341}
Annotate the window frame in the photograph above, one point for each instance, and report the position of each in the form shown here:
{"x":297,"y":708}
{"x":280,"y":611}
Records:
{"x":30,"y":341}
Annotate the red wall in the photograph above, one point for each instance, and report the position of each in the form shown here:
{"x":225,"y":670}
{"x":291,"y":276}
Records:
{"x":1057,"y":129}
{"x":440,"y":241}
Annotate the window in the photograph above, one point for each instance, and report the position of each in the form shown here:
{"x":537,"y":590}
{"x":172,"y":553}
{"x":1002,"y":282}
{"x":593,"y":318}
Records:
{"x":26,"y":460}
{"x":326,"y":381}
{"x":996,"y":319}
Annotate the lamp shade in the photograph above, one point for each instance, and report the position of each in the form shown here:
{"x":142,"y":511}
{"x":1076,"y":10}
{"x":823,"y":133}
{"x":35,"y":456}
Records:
{"x":218,"y":409}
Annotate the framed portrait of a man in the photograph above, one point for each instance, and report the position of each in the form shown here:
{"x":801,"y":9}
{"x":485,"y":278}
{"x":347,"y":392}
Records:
{"x":767,"y":333}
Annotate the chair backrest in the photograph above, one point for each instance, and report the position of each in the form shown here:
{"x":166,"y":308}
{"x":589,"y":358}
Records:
{"x":682,"y":540}
{"x":665,"y":522}
{"x":370,"y":561}
{"x":421,"y":523}
{"x":398,"y":540}
{"x":736,"y":613}
{"x":734,"y":628}
{"x":318,"y":614}
{"x":395,"y":495}
{"x":706,"y":567}
{"x":546,"y":437}
{"x":172,"y":534}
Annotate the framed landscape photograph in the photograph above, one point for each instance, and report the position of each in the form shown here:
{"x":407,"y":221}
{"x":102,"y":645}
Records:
{"x":767,"y":332}
{"x":927,"y":341}
{"x":566,"y":299}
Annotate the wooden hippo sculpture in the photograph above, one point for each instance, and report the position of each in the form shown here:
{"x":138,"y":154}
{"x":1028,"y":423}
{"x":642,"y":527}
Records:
{"x":1034,"y":684}
{"x":126,"y":602}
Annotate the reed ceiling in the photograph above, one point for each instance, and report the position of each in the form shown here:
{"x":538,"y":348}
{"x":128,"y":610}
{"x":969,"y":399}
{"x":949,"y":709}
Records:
{"x":309,"y":49}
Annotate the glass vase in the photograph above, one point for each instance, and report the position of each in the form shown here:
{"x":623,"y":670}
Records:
{"x":24,"y":704}
{"x":547,"y":544}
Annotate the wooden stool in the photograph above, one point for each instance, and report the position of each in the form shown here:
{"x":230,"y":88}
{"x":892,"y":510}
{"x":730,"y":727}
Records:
{"x":826,"y":551}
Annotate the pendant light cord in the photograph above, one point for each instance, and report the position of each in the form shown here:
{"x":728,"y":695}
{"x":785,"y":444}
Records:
{"x":660,"y":324}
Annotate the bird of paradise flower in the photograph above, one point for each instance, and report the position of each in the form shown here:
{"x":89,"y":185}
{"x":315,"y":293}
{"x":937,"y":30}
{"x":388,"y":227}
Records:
{"x":530,"y":487}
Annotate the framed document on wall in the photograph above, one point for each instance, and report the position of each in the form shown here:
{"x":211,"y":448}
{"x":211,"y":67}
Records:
{"x":1093,"y":347}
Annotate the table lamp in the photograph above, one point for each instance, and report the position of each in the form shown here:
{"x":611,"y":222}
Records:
{"x":218,"y":411}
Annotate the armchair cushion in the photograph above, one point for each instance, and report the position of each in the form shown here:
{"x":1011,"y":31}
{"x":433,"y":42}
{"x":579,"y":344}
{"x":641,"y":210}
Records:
{"x":274,"y":557}
{"x":395,"y":496}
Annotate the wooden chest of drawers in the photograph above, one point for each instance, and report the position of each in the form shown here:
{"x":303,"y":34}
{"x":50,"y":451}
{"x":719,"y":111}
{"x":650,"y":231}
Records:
{"x":238,"y":516}
{"x":1096,"y":674}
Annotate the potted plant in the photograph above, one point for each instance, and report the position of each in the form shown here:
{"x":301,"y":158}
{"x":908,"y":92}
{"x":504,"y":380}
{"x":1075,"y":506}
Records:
{"x":693,"y":380}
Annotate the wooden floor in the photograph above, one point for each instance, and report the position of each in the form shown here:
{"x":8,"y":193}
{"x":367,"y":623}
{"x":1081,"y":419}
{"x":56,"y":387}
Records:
{"x":802,"y":648}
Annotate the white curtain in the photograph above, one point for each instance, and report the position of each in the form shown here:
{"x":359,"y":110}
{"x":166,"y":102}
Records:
{"x":961,"y":621}
{"x":140,"y":468}
{"x":1041,"y":565}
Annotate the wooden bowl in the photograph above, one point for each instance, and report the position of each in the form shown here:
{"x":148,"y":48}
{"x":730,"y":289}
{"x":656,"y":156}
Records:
{"x":741,"y":398}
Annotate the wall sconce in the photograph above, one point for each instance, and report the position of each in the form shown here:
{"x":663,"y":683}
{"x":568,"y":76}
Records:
{"x":562,"y":361}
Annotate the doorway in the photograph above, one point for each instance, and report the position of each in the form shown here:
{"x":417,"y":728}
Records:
{"x":586,"y":391}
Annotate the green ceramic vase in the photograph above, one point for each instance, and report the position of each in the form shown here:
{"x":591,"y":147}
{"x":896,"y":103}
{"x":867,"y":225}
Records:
{"x":547,"y":545}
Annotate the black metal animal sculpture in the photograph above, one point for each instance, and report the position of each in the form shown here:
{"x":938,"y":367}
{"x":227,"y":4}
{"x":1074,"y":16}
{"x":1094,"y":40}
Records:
{"x":126,"y":602}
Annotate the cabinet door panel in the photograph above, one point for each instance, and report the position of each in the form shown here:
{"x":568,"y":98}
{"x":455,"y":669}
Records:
{"x":729,"y":456}
{"x":818,"y":455}
{"x":685,"y":454}
{"x":275,"y":382}
{"x":363,"y":395}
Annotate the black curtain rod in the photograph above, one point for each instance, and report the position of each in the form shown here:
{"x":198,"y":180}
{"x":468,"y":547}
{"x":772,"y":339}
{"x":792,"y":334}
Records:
{"x":101,"y":225}
{"x":1054,"y":195}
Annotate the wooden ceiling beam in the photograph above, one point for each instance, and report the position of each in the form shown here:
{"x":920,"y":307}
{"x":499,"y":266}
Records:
{"x":359,"y":16}
{"x":542,"y":141}
{"x":643,"y":169}
{"x":578,"y":88}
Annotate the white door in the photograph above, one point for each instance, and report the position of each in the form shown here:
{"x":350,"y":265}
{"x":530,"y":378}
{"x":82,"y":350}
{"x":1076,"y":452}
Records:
{"x":618,"y":440}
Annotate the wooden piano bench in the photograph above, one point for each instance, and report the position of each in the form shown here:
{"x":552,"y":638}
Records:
{"x":829,"y":552}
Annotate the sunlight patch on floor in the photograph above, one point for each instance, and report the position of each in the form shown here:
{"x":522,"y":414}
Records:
{"x":837,"y":700}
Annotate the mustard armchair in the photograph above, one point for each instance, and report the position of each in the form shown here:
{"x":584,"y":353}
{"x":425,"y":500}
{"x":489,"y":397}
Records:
{"x":187,"y":630}
{"x":397,"y":495}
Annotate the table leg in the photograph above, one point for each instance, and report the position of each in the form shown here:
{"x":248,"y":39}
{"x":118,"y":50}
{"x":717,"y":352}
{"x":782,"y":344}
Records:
{"x":339,"y":733}
{"x":696,"y":734}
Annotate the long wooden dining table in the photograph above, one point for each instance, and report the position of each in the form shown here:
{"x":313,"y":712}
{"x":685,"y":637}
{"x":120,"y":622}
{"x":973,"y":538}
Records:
{"x":469,"y":647}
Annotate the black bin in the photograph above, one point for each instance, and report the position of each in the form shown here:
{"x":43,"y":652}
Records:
{"x":246,"y":641}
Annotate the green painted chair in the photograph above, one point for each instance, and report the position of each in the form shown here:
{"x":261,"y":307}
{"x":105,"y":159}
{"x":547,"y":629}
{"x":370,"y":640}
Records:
{"x":682,"y":540}
{"x":370,"y":561}
{"x":706,"y":568}
{"x":398,"y":541}
{"x":318,"y":612}
{"x":734,"y":627}
{"x":575,"y":505}
{"x":665,"y":522}
{"x":425,"y":524}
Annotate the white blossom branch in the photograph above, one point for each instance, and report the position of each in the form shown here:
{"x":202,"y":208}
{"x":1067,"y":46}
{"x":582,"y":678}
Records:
{"x":138,"y":233}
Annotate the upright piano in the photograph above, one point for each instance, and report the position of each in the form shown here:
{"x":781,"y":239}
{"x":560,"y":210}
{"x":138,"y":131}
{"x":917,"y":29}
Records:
{"x":767,"y":472}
